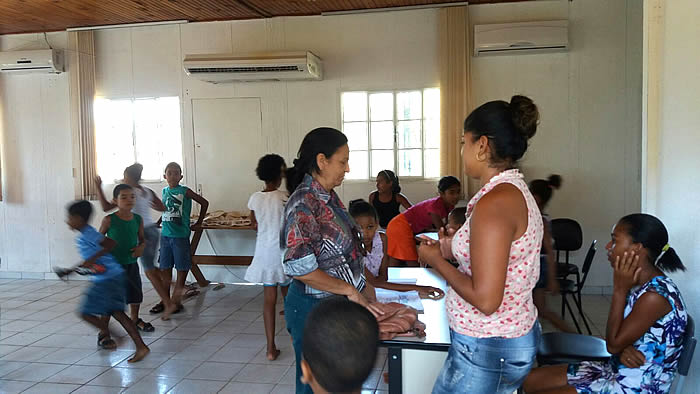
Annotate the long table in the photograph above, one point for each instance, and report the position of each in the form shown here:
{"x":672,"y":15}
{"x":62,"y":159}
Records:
{"x":217,"y":260}
{"x":415,"y":363}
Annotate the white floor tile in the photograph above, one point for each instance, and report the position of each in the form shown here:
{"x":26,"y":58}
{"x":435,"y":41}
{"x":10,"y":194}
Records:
{"x":77,"y":374}
{"x":120,"y":377}
{"x":177,"y":368}
{"x":153,"y":385}
{"x":188,"y":386}
{"x":53,"y":388}
{"x":14,"y":387}
{"x":216,"y":371}
{"x":35,"y":372}
{"x":253,"y":373}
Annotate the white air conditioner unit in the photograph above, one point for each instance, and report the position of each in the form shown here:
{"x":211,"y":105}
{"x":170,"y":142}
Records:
{"x":274,"y":66}
{"x":42,"y":61}
{"x":523,"y":37}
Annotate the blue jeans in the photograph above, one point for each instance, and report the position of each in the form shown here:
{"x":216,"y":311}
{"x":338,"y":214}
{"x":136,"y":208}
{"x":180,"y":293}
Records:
{"x":297,"y":306}
{"x":487,"y":365}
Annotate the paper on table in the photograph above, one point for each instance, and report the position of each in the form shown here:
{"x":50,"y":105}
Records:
{"x":404,"y":281}
{"x":410,"y":298}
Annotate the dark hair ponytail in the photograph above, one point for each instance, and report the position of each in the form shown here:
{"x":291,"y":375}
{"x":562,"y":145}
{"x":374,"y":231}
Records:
{"x":392,"y":178}
{"x":508,"y":126}
{"x":361,"y":207}
{"x":324,"y":140}
{"x":545,"y":188}
{"x":651,"y":233}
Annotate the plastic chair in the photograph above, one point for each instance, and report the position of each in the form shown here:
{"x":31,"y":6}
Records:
{"x":689,"y":343}
{"x":564,"y":348}
{"x":569,"y":287}
{"x":568,"y":237}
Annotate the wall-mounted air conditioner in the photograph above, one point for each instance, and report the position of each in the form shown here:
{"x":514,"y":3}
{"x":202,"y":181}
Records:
{"x":523,"y":37}
{"x":42,"y":61}
{"x":273,"y":66}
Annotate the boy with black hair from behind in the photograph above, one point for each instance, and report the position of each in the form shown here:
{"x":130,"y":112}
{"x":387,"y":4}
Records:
{"x":340,"y":346}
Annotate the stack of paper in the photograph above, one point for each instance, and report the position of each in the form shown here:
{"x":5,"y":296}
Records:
{"x":410,"y":298}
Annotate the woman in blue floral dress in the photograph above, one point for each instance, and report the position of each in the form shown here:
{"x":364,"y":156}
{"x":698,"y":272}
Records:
{"x":646,"y":322}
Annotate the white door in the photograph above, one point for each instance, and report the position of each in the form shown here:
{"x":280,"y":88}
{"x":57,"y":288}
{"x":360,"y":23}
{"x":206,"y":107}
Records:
{"x":228,"y":143}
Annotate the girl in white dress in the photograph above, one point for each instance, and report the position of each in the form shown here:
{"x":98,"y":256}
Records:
{"x":266,"y":213}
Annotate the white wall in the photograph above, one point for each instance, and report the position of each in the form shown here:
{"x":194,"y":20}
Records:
{"x":374,"y":51}
{"x":587,"y":128}
{"x":36,"y":166}
{"x":677,"y":194}
{"x":590,"y":105}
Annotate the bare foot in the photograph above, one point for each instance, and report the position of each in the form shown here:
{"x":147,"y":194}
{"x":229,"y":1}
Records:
{"x":139,"y":355}
{"x":168,"y":311}
{"x":282,"y":312}
{"x":273,"y":354}
{"x":205,"y":283}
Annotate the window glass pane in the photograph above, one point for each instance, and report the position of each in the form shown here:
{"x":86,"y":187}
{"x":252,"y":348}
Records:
{"x":409,"y":134}
{"x":410,"y":163}
{"x":158,"y":137}
{"x":382,"y":160}
{"x":408,"y":105}
{"x":114,"y":138}
{"x":359,"y":165}
{"x":354,"y":106}
{"x":381,"y":106}
{"x":357,"y":135}
{"x":432,"y":163}
{"x":431,"y":103}
{"x":382,"y":135}
{"x":432,"y":133}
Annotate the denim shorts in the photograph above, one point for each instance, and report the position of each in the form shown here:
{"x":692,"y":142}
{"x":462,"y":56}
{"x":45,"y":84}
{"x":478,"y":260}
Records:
{"x":297,"y":307}
{"x":487,"y":365}
{"x":175,"y":252}
{"x":148,"y":258}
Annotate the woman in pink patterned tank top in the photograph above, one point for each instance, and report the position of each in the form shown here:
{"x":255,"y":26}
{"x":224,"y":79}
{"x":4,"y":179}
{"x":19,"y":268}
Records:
{"x":493,"y":321}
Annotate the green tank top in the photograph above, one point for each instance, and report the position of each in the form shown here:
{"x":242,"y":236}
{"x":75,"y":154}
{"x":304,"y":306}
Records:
{"x":126,"y":234}
{"x":176,"y":218}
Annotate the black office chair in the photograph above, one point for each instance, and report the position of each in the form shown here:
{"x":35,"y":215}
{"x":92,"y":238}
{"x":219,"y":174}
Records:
{"x":568,"y":237}
{"x":689,"y":343}
{"x":564,"y":348}
{"x":569,"y":287}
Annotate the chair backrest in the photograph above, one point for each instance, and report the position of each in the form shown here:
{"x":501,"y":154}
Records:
{"x":588,"y":262}
{"x":567,"y":235}
{"x":689,"y":343}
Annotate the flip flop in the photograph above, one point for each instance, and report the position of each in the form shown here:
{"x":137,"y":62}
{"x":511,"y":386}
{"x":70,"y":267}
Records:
{"x":105,"y":342}
{"x":191,"y":293}
{"x":157,"y":308}
{"x":143,"y":326}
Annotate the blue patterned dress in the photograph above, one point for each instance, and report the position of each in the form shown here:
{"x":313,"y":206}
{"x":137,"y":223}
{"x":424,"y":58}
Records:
{"x":661,"y":346}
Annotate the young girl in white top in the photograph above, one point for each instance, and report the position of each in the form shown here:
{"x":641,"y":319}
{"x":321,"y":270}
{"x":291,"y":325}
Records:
{"x":266,"y":212}
{"x":376,"y":260}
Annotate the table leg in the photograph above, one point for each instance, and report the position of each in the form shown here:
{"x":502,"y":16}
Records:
{"x":201,"y":280}
{"x":395,"y":375}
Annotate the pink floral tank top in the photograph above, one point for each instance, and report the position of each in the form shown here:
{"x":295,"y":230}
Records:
{"x":517,"y":314}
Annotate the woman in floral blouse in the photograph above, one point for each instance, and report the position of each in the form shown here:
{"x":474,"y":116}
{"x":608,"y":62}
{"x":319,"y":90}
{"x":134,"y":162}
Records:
{"x":321,"y":244}
{"x":646,"y":322}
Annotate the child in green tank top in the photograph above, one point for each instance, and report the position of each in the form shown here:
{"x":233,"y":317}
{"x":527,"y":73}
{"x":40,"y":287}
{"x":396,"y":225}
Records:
{"x":126,"y":228}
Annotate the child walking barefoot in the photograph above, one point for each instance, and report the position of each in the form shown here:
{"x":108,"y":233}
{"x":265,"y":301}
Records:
{"x":376,"y":261}
{"x":105,"y":297}
{"x":267,"y":211}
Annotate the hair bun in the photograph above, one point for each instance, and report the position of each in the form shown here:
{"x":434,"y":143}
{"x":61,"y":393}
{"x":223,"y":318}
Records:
{"x":554,"y":181}
{"x":525,"y":115}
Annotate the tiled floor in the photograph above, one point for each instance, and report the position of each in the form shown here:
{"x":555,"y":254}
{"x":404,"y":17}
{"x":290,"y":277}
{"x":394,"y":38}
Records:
{"x":216,"y":346}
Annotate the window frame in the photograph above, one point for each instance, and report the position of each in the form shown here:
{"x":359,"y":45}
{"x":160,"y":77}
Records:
{"x":396,"y":150}
{"x":133,"y":101}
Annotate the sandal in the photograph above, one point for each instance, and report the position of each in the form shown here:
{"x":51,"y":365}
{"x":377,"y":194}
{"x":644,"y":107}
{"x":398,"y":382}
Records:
{"x":157,"y":308}
{"x":143,"y":326}
{"x":191,"y":293}
{"x":105,"y":342}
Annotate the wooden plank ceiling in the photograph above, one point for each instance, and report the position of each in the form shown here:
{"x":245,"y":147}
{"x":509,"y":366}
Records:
{"x":25,"y":16}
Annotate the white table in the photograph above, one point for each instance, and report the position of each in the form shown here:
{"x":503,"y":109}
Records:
{"x":415,"y":363}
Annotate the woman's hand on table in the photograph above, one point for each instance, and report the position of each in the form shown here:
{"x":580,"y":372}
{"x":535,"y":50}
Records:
{"x":355,"y":296}
{"x":429,"y":292}
{"x":444,"y":244}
